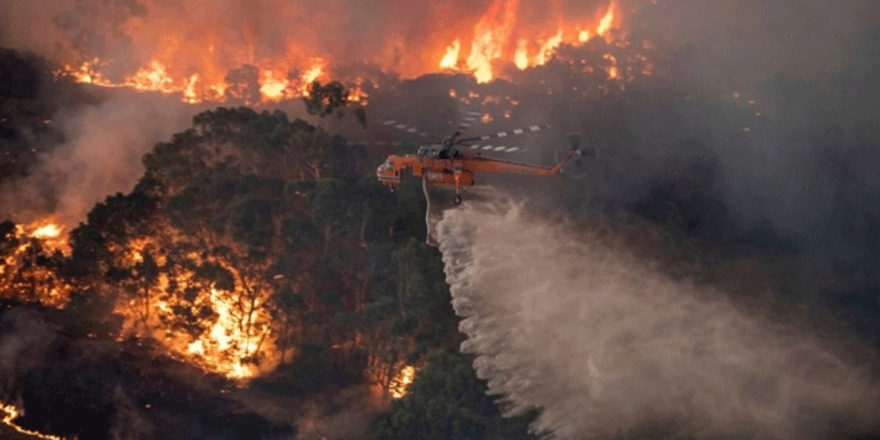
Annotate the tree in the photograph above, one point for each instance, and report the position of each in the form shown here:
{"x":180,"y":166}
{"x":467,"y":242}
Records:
{"x":446,"y":400}
{"x":323,"y":100}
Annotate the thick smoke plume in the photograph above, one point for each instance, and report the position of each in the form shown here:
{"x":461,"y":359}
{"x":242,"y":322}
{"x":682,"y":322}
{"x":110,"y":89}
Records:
{"x":205,"y":35}
{"x":604,"y":345}
{"x":101,"y":155}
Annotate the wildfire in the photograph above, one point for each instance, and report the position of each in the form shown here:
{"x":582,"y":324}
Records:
{"x":492,"y":36}
{"x":13,"y":413}
{"x":227,"y":347}
{"x":49,"y":233}
{"x":26,"y":264}
{"x":607,"y":21}
{"x":198,"y":68}
{"x":236,"y":339}
{"x":273,"y":83}
{"x":400,"y":383}
{"x":549,"y":46}
{"x":521,"y":58}
{"x":450,"y":59}
{"x":272,"y":87}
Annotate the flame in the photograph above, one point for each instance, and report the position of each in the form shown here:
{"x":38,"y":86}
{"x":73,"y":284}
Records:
{"x":314,"y":72}
{"x":237,"y":342}
{"x":549,"y":46}
{"x":48,"y":231}
{"x":207,"y":66}
{"x":227,"y":347}
{"x":583,"y":36}
{"x":224,"y":330}
{"x":273,"y":86}
{"x":13,"y":413}
{"x":490,"y":35}
{"x":22,"y":276}
{"x":607,"y":21}
{"x":400,"y":383}
{"x":521,"y":58}
{"x":450,"y":59}
{"x":613,"y":71}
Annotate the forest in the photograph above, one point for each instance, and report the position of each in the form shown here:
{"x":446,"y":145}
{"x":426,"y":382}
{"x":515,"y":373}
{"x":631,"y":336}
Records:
{"x":261,"y":249}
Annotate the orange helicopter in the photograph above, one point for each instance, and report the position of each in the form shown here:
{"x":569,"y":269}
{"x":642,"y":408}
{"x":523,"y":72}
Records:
{"x":445,"y":165}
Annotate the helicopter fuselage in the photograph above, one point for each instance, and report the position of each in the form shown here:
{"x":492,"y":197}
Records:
{"x":456,"y":168}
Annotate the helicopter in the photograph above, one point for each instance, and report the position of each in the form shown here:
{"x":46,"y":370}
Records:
{"x":445,"y":164}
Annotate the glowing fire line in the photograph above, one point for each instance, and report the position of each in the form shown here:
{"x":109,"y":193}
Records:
{"x":200,"y":73}
{"x":12,"y":413}
{"x":275,"y":84}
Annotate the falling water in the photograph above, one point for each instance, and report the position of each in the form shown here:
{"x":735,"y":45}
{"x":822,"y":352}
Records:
{"x":604,"y":345}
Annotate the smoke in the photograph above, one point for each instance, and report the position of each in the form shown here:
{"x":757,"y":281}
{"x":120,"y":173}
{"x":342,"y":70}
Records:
{"x":101,"y":155}
{"x":737,"y":42}
{"x":93,"y":389}
{"x":337,"y":415}
{"x":205,"y":36}
{"x":561,"y":320}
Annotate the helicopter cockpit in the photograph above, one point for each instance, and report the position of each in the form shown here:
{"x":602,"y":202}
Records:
{"x":432,"y":152}
{"x":385,"y":167}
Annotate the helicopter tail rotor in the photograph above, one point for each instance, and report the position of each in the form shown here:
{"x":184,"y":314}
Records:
{"x":574,"y":140}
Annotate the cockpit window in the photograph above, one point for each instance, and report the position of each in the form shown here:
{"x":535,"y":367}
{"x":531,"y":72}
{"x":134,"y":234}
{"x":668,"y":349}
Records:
{"x":385,"y":167}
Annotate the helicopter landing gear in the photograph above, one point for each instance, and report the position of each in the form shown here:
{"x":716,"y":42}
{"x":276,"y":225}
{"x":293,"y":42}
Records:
{"x":456,"y":200}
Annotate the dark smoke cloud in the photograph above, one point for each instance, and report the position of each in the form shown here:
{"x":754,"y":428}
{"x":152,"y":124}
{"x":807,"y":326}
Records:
{"x":101,"y":155}
{"x":739,"y":42}
{"x":603,"y":344}
{"x":403,"y":36}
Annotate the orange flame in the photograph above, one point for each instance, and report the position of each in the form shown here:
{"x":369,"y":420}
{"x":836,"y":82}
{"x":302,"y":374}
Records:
{"x":198,"y":67}
{"x":450,"y":59}
{"x":490,"y":35}
{"x":613,"y":71}
{"x":400,"y":383}
{"x":227,"y":346}
{"x":48,"y":232}
{"x":521,"y":58}
{"x":12,"y":413}
{"x":583,"y":36}
{"x":607,"y":21}
{"x":549,"y":46}
{"x":273,"y":86}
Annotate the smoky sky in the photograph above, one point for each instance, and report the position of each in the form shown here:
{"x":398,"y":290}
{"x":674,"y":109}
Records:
{"x":736,"y":42}
{"x":731,"y":40}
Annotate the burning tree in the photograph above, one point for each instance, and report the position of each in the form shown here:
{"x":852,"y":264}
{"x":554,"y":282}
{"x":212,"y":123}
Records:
{"x":246,"y":238}
{"x":29,"y":265}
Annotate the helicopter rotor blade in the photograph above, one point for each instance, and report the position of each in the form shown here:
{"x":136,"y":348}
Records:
{"x":498,"y":148}
{"x":504,"y":134}
{"x":469,"y":119}
{"x":405,"y":127}
{"x":385,"y":144}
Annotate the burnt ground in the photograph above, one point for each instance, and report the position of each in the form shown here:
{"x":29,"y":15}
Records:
{"x":90,"y":387}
